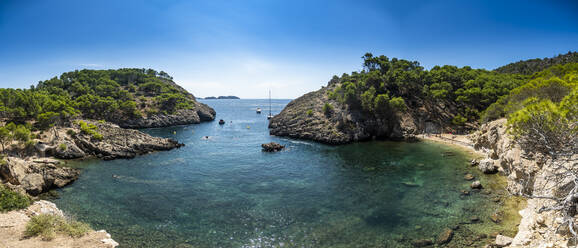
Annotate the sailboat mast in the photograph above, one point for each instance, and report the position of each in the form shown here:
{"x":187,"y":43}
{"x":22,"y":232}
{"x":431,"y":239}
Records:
{"x":269,"y":102}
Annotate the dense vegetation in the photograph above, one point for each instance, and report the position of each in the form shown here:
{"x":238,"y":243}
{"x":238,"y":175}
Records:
{"x":552,"y":84}
{"x":95,"y":94}
{"x":47,"y":226}
{"x":536,"y":65}
{"x":10,"y":200}
{"x":388,"y":85}
{"x":543,"y":113}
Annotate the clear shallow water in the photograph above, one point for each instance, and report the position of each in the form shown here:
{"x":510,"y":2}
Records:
{"x":225,"y":192}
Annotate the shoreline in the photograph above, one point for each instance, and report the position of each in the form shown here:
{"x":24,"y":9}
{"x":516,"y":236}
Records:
{"x":460,"y":141}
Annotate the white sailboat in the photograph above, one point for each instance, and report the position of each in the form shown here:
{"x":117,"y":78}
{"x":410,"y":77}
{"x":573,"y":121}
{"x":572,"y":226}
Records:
{"x":269,"y":116}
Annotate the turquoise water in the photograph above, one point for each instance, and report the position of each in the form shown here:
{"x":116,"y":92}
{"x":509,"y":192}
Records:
{"x":224,"y":192}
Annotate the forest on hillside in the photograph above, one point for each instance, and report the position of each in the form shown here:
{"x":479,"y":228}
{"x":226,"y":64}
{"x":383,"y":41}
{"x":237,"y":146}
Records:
{"x":386,"y":86}
{"x":94,"y":94}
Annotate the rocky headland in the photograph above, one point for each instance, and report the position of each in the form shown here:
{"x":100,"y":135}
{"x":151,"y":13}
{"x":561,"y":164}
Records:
{"x":316,"y":116}
{"x":36,"y":169}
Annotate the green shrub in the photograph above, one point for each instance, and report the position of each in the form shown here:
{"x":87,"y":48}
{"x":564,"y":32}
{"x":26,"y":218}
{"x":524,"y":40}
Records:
{"x":90,"y":129}
{"x":62,"y":146}
{"x":459,"y":120}
{"x":71,"y":132}
{"x":327,"y":109}
{"x":97,"y":136}
{"x":310,"y":112}
{"x":47,"y":226}
{"x":10,"y":200}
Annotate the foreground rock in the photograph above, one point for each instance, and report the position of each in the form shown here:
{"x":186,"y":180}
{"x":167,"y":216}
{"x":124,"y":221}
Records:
{"x":35,"y":176}
{"x":13,"y":224}
{"x":272,"y":147}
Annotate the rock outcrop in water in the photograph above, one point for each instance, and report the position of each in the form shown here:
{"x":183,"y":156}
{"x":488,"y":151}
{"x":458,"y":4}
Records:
{"x":272,"y":147}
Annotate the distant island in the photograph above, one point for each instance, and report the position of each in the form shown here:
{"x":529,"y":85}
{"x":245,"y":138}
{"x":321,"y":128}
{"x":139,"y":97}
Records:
{"x":221,"y":97}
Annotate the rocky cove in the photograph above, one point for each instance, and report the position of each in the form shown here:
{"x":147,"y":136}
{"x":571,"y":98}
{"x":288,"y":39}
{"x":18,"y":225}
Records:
{"x":378,"y":193}
{"x":43,"y":167}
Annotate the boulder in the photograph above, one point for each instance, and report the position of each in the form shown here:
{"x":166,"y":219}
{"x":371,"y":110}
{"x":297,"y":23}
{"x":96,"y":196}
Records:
{"x":445,"y":236}
{"x":33,"y":183}
{"x":476,"y":185}
{"x":272,"y":147}
{"x":488,"y":166}
{"x":38,"y":175}
{"x":13,"y":170}
{"x":502,"y":241}
{"x":70,"y":151}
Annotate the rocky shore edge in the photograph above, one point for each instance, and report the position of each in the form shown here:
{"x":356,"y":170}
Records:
{"x":40,"y":166}
{"x":525,"y":172}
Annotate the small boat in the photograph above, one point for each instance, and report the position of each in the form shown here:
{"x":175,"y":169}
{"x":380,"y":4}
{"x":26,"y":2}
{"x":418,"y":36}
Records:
{"x":258,"y":110}
{"x":221,"y":122}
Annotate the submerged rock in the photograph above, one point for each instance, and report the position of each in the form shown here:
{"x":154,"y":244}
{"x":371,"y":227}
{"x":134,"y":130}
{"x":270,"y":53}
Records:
{"x":445,"y":236}
{"x":422,"y":242}
{"x":469,"y":177}
{"x":272,"y":147}
{"x":495,"y":217}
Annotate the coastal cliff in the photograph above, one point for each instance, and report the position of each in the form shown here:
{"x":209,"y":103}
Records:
{"x":35,"y":170}
{"x":307,"y":118}
{"x":528,"y":174}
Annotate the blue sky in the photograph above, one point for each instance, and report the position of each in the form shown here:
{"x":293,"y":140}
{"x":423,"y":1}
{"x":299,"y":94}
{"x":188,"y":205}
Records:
{"x":292,"y":47}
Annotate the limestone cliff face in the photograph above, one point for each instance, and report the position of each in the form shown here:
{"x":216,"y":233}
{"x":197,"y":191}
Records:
{"x":116,"y":142}
{"x":527,"y":174}
{"x":34,"y":171}
{"x":305,"y":118}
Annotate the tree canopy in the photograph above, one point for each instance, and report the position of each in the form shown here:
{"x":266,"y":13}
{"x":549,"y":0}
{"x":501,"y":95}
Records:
{"x":95,"y":94}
